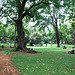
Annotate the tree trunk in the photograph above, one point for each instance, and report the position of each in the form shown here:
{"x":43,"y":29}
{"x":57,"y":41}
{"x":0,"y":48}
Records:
{"x":74,"y":38}
{"x":21,"y":36}
{"x":15,"y":37}
{"x":21,"y":39}
{"x":57,"y":36}
{"x":46,"y":44}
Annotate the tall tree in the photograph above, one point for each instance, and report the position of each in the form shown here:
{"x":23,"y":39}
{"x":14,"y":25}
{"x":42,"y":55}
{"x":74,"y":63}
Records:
{"x":16,"y":10}
{"x":51,"y":18}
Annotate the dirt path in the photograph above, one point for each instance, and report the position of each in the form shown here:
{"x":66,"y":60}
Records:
{"x":6,"y":67}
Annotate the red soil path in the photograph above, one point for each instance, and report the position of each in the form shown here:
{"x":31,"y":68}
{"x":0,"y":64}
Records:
{"x":6,"y":67}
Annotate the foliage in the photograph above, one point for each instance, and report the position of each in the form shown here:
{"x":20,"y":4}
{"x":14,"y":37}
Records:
{"x":35,"y":36}
{"x":51,"y":35}
{"x":46,"y":40}
{"x":66,"y":34}
{"x":6,"y":33}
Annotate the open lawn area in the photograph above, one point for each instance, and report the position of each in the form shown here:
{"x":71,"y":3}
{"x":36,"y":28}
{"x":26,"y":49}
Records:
{"x":51,"y":61}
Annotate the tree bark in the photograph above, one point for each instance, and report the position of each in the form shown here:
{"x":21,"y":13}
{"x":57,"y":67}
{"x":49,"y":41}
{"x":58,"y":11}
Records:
{"x":21,"y":36}
{"x":74,"y":38}
{"x":57,"y":36}
{"x":15,"y":37}
{"x":46,"y":44}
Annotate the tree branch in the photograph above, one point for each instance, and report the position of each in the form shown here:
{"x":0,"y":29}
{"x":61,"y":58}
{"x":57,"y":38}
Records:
{"x":1,"y":11}
{"x":35,"y":5}
{"x":3,"y":37}
{"x":12,"y":18}
{"x":29,"y":15}
{"x":22,"y":8}
{"x":26,"y":13}
{"x":52,"y":21}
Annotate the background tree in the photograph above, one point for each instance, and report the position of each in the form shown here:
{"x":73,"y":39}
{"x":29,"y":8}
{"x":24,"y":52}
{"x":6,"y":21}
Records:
{"x":71,"y":16}
{"x":3,"y":32}
{"x":51,"y":18}
{"x":35,"y":36}
{"x":6,"y":32}
{"x":66,"y":34}
{"x":46,"y":40}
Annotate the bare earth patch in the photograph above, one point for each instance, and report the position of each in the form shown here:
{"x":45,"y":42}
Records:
{"x":6,"y":67}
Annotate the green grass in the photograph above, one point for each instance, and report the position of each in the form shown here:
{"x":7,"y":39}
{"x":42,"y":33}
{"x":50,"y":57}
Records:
{"x":6,"y":45}
{"x":11,"y":51}
{"x":53,"y":61}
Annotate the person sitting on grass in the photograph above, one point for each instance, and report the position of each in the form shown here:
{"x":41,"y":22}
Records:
{"x":11,"y":46}
{"x":64,"y":47}
{"x":72,"y":50}
{"x":2,"y":46}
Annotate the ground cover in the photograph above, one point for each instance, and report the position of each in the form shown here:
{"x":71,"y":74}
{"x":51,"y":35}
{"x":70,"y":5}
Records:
{"x":53,"y":61}
{"x":7,"y":45}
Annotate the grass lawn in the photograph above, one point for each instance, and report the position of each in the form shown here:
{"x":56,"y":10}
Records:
{"x":53,"y":61}
{"x":6,"y":45}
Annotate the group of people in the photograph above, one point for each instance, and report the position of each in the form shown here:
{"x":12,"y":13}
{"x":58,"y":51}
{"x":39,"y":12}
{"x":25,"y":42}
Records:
{"x":69,"y":52}
{"x":10,"y":46}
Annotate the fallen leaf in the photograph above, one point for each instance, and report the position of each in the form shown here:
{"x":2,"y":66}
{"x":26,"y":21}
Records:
{"x":68,"y":74}
{"x":43,"y":64}
{"x":72,"y":69}
{"x":53,"y":72}
{"x":26,"y":68}
{"x":50,"y":70}
{"x":38,"y":61}
{"x":65,"y":72}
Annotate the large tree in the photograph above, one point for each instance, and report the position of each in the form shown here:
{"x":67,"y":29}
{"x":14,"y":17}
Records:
{"x":16,"y":10}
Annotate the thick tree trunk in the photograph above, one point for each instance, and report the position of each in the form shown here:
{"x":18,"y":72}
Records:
{"x":21,"y":36}
{"x":21,"y":39}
